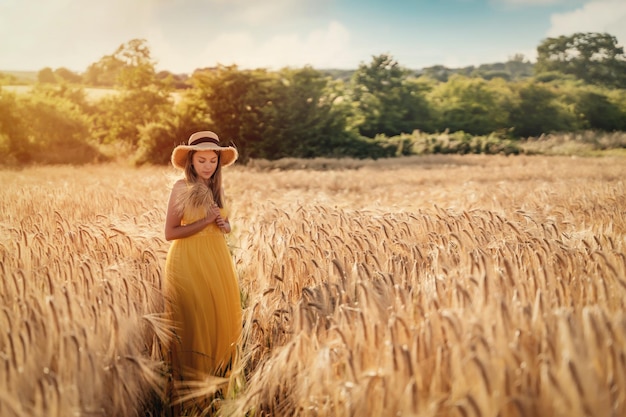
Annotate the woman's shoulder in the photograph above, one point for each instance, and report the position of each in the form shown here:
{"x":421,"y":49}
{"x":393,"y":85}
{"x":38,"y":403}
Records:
{"x":180,"y":184}
{"x":179,"y":187}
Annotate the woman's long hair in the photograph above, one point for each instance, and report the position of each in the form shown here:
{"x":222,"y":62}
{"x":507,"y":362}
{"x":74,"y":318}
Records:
{"x":215,"y":183}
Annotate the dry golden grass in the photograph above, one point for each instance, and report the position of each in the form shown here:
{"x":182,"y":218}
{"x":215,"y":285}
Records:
{"x":80,"y":258}
{"x":436,"y":286}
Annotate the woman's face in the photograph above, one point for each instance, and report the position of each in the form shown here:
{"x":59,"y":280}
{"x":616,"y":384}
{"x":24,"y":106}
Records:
{"x":205,"y":163}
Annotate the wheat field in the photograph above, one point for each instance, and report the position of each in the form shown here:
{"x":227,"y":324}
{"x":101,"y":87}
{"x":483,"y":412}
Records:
{"x":428,"y":286}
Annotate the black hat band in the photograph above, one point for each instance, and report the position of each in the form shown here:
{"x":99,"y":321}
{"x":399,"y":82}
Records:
{"x":204,"y":140}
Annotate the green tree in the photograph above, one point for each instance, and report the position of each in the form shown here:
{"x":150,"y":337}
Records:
{"x":117,"y":118}
{"x":385,"y":101}
{"x":437,"y":72}
{"x":159,"y":137}
{"x":536,"y":110}
{"x":8,"y":79}
{"x":143,"y":98}
{"x":66,"y":92}
{"x":44,"y":128}
{"x":103,"y":73}
{"x":46,"y":76}
{"x":592,"y":57}
{"x":68,"y":76}
{"x":271,"y":115}
{"x":137,"y":70}
{"x":156,"y":141}
{"x":491,"y":71}
{"x":472,"y":105}
{"x":596,"y":111}
{"x":177,"y":81}
{"x":307,"y":117}
{"x":618,"y":98}
{"x":13,"y":139}
{"x":231,"y":102}
{"x":553,"y":77}
{"x":490,"y":75}
{"x":130,"y":66}
{"x":519,"y":67}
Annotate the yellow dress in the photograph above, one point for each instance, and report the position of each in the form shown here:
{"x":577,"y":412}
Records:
{"x":203,"y":295}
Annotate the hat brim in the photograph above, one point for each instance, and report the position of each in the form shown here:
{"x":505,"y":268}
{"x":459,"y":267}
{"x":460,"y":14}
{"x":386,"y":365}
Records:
{"x":228,"y":154}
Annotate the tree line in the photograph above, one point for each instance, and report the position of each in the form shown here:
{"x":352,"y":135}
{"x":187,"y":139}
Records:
{"x":578,"y":83}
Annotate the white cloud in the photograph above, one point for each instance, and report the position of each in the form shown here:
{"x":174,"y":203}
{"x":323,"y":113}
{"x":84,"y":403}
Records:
{"x":325,"y":47}
{"x":264,"y":13}
{"x":68,"y":33}
{"x":75,"y":33}
{"x":595,"y":16}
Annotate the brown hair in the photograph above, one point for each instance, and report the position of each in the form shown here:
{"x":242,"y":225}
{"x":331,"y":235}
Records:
{"x":215,"y":183}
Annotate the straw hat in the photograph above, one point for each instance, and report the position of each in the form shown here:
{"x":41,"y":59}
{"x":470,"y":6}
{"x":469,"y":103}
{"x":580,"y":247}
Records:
{"x":203,"y":141}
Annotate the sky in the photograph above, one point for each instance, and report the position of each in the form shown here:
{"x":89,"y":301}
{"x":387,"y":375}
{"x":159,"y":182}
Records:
{"x":184,"y":35}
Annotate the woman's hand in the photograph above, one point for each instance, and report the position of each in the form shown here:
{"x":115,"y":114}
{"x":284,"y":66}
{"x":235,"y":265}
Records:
{"x":213,"y":214}
{"x":221,"y":222}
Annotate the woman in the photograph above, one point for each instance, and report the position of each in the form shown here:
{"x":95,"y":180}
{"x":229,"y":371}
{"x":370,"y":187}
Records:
{"x":200,"y":280}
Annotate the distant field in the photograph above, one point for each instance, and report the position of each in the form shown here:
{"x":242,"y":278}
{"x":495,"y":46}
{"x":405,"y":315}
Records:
{"x":19,"y":89}
{"x":26,"y":76}
{"x":92,"y":93}
{"x":448,"y":286}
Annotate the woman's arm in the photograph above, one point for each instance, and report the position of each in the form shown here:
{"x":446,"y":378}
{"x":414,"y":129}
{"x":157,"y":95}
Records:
{"x":173,"y":228}
{"x":223,"y":224}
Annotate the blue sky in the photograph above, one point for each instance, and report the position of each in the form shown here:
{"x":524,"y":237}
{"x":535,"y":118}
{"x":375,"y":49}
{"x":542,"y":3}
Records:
{"x":187,"y":34}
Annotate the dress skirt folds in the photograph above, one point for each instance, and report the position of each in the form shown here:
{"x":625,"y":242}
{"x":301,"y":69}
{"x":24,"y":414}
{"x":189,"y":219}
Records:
{"x":203,"y":298}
